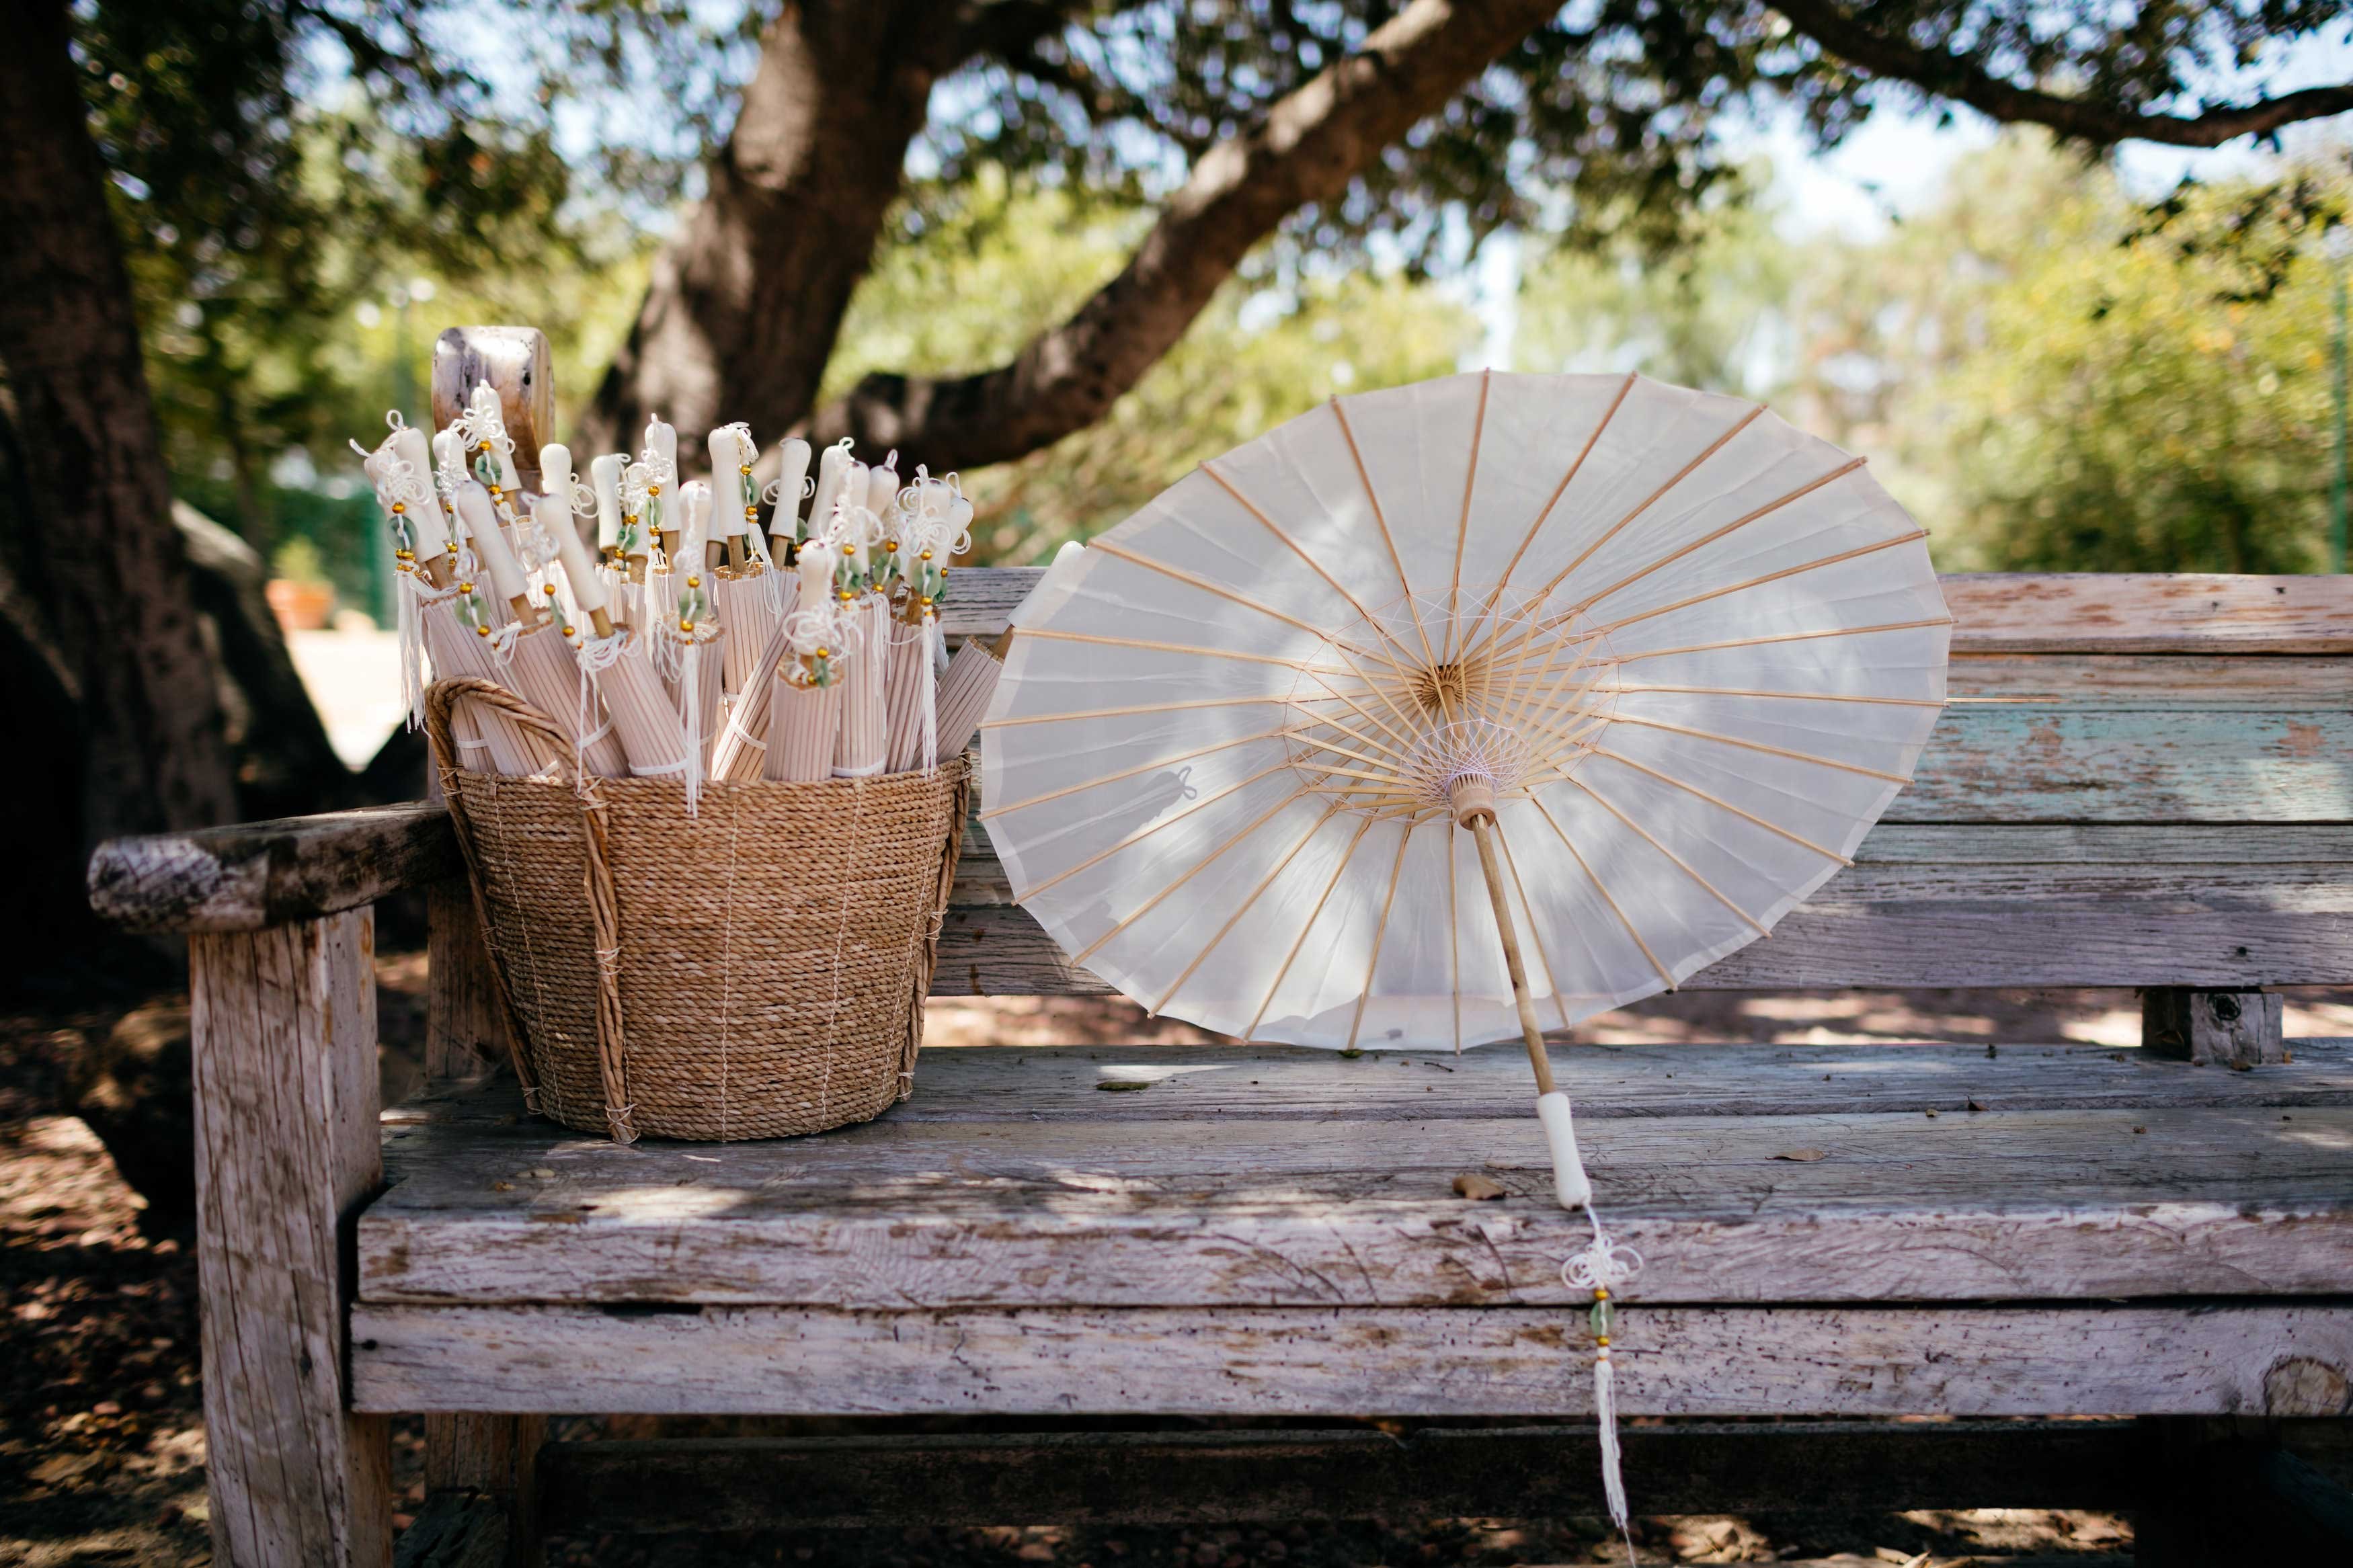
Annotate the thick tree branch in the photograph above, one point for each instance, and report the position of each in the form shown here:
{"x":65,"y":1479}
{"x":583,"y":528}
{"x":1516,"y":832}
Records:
{"x":746,"y":299}
{"x":1310,"y":146}
{"x":1964,"y":80}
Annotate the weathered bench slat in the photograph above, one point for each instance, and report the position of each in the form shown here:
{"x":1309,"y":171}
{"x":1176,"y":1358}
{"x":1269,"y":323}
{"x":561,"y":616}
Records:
{"x":2186,"y":940}
{"x":2165,"y":682}
{"x":2046,"y":1206}
{"x":2147,"y":612}
{"x":1215,"y":1478}
{"x":1198,"y":1083}
{"x":2064,"y":763}
{"x":1355,"y":1360}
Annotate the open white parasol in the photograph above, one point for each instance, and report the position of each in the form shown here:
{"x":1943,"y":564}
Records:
{"x":1463,"y":711}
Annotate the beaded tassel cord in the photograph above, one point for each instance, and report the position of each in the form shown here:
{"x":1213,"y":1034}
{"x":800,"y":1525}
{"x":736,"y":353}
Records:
{"x":1603,"y":1264}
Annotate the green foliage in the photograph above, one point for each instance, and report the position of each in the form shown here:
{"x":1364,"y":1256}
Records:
{"x":1707,"y":314}
{"x":2051,"y":377}
{"x":1011,"y":260}
{"x":2142,"y":412}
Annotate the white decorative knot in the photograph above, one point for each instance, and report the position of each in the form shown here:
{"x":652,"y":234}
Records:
{"x":1603,"y":1264}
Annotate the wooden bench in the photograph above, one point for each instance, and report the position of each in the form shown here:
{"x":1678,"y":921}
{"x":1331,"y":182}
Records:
{"x":2142,"y":781}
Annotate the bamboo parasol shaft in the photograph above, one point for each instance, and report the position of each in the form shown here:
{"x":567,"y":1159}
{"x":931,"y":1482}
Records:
{"x":1482,"y":825}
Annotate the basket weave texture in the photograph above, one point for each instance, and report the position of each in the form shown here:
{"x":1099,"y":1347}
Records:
{"x":765,"y":961}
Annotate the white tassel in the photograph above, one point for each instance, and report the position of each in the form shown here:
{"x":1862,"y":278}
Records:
{"x":691,"y":707}
{"x":1605,"y":1412}
{"x":930,"y":698}
{"x":409,"y":617}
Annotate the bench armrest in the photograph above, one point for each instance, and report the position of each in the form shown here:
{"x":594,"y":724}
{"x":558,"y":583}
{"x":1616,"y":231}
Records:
{"x":251,"y":876}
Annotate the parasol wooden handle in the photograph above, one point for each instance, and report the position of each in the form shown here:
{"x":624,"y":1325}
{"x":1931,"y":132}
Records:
{"x":1479,"y":823}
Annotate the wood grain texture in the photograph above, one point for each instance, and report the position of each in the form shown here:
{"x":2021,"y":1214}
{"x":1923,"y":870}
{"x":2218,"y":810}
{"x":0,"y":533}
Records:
{"x":455,"y":1530}
{"x":2213,"y":1028}
{"x":1177,"y":1478}
{"x":287,"y":1148}
{"x":1325,"y":1209}
{"x":490,"y":1460}
{"x":465,"y":1023}
{"x":2074,"y":762}
{"x":260,"y":874}
{"x":2147,"y":612}
{"x":1217,"y":1083}
{"x":1350,"y":1362}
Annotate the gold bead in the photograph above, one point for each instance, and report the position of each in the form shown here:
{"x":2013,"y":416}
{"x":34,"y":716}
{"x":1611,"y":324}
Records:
{"x":1601,"y":1292}
{"x":481,"y":631}
{"x":751,"y":515}
{"x":465,"y":587}
{"x":496,"y":493}
{"x":399,"y":507}
{"x":694,"y":582}
{"x":653,"y":489}
{"x":850,"y":550}
{"x":925,"y":601}
{"x":483,"y":447}
{"x":745,"y":470}
{"x":684,"y":624}
{"x":549,"y":590}
{"x":402,"y":555}
{"x":926,"y":556}
{"x":1602,"y":1340}
{"x":890,"y":545}
{"x":823,"y":652}
{"x":847,"y":595}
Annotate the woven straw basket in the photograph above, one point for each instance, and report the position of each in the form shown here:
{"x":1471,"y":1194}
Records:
{"x":765,"y":960}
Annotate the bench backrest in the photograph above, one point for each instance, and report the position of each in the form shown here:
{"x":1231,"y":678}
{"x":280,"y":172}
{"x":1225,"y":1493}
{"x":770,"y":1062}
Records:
{"x":2141,"y":781}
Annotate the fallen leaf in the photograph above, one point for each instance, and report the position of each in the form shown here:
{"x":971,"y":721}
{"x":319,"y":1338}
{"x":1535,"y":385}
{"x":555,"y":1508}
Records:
{"x":1470,"y":1185}
{"x":1802,"y":1156}
{"x":1121,"y":1085}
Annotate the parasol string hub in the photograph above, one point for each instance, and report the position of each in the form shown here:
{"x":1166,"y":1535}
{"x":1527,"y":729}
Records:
{"x":1472,"y":798}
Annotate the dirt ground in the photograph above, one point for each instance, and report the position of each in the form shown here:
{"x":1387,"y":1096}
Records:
{"x":101,"y":1432}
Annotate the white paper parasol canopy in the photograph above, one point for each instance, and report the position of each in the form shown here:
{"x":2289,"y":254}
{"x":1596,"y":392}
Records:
{"x":1691,"y":652}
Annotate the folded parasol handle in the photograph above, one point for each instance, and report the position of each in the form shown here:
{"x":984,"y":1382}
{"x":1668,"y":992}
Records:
{"x":1568,"y":1180}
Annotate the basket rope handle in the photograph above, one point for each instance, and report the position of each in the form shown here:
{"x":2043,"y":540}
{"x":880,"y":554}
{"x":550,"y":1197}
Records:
{"x":927,"y":961}
{"x":604,"y":907}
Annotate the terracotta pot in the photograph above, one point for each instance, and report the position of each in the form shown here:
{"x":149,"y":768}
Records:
{"x":300,"y":606}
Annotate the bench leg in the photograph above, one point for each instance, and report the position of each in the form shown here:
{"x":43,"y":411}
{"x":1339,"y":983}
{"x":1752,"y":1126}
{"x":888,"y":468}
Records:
{"x":480,"y":1470}
{"x":465,"y":1027}
{"x":2213,"y":1029}
{"x":286,"y":1112}
{"x":493,"y":1462}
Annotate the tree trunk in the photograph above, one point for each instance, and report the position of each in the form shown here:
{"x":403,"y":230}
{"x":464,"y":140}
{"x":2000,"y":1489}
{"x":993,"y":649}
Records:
{"x":96,"y":553}
{"x":746,"y":302}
